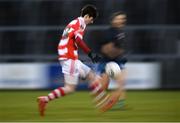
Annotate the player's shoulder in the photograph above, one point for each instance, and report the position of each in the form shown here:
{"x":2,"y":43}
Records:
{"x":114,"y":30}
{"x":74,"y":22}
{"x":81,"y":23}
{"x":116,"y":33}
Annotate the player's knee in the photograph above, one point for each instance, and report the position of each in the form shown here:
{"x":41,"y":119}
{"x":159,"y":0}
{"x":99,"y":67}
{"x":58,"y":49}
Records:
{"x":69,"y":89}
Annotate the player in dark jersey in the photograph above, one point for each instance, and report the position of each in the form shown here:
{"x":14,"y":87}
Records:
{"x":113,"y":49}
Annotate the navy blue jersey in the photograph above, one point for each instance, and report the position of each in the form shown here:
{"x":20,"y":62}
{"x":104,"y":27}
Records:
{"x":117,"y":37}
{"x":114,"y":35}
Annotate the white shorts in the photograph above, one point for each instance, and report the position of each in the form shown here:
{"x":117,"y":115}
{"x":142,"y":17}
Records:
{"x":73,"y":69}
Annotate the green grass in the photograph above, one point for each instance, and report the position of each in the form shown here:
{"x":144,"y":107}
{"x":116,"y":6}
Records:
{"x":142,"y":106}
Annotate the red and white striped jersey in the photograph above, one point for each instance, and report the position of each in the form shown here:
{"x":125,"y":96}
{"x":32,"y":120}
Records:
{"x":67,"y":48}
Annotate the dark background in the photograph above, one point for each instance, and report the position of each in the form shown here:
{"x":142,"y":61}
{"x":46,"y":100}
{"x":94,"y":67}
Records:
{"x":30,"y":31}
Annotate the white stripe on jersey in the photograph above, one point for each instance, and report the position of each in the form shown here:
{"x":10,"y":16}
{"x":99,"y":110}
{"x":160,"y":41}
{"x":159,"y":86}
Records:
{"x":78,"y":35}
{"x":62,"y":58}
{"x":63,"y":41}
{"x":82,"y":23}
{"x":75,"y":52}
{"x":73,"y":22}
{"x":62,"y":51}
{"x":70,"y":30}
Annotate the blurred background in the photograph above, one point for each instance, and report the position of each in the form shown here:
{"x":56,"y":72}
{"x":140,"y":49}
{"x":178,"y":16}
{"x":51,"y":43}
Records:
{"x":30,"y":31}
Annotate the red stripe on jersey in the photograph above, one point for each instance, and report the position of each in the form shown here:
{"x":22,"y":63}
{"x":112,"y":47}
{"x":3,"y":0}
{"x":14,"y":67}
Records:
{"x":62,"y":46}
{"x":62,"y":56}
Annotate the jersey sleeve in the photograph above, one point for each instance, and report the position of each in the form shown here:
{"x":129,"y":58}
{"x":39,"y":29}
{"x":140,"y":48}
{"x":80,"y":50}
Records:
{"x":74,"y":29}
{"x":82,"y":45}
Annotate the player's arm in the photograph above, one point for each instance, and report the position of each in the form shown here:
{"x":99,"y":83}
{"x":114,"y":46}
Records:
{"x":75,"y":33}
{"x":110,"y":50}
{"x":94,"y":57}
{"x":82,"y":45}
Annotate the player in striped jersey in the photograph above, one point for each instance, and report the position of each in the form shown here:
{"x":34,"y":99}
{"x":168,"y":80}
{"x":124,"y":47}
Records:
{"x":72,"y":68}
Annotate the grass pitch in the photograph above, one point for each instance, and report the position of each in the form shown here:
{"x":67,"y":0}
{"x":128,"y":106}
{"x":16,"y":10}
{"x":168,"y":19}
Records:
{"x":21,"y":106}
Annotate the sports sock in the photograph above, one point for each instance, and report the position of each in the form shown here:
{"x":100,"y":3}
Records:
{"x":59,"y":92}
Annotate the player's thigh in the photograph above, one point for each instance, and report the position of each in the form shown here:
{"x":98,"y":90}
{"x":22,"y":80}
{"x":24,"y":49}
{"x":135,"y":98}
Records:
{"x":70,"y":71}
{"x":83,"y":69}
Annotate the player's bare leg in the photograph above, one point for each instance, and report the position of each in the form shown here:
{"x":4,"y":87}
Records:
{"x":100,"y":83}
{"x":121,"y":82}
{"x":98,"y":91}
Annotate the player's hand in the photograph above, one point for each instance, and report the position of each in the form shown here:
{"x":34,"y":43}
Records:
{"x":94,"y":57}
